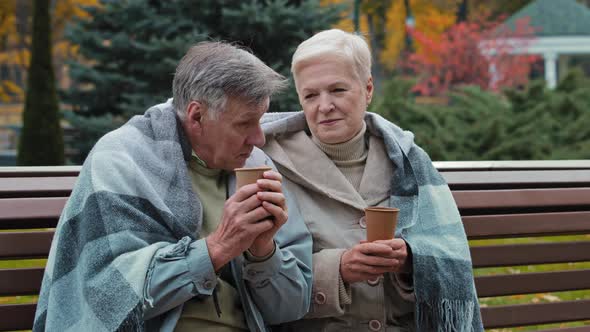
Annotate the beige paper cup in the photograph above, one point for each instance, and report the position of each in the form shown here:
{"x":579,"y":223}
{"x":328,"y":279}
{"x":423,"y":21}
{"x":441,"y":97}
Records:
{"x":248,"y":175}
{"x":381,"y":222}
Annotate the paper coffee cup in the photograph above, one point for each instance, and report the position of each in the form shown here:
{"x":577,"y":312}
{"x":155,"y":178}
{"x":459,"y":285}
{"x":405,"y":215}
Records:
{"x":248,"y":175}
{"x":381,"y":222}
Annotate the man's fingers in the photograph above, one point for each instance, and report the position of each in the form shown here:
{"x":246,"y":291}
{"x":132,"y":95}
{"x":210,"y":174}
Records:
{"x":272,"y":197}
{"x":250,"y":204}
{"x":262,"y":226}
{"x":273,"y":175}
{"x":276,"y":211}
{"x":269,"y":185}
{"x":245,"y":192}
{"x":256,"y":215}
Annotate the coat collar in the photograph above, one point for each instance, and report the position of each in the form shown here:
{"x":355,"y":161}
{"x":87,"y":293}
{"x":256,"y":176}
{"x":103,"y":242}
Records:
{"x":304,"y":163}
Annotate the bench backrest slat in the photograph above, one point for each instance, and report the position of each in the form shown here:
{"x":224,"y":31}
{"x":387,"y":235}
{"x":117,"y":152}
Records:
{"x":533,"y":314}
{"x":40,"y":171}
{"x":17,"y":316}
{"x":528,"y":283}
{"x":36,"y":186}
{"x":522,"y":199}
{"x":530,"y":253}
{"x":31,"y":208}
{"x":21,"y":281}
{"x":24,"y":245}
{"x":527,"y":224}
{"x":465,"y":180}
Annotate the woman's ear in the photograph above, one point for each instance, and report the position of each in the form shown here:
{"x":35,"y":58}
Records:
{"x":369,"y":88}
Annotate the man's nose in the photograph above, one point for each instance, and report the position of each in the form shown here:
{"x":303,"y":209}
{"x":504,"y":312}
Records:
{"x":257,"y":138}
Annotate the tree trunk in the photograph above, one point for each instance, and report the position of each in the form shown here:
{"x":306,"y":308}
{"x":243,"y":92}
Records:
{"x":377,"y":68}
{"x":41,"y":141}
{"x":462,"y":11}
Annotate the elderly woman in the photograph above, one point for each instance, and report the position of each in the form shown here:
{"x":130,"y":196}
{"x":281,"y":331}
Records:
{"x":338,"y":159}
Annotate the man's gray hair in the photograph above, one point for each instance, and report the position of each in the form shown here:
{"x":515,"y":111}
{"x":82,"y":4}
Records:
{"x":212,"y":72}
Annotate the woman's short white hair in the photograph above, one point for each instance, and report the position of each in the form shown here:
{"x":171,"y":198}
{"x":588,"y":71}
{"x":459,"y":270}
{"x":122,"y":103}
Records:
{"x":349,"y":46}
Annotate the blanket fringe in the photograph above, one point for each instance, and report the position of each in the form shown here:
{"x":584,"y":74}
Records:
{"x":445,"y":316}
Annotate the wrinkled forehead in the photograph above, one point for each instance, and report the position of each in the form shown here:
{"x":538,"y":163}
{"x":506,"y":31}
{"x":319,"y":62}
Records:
{"x":323,"y":58}
{"x":242,"y":108}
{"x":325,"y":72}
{"x":341,"y":64}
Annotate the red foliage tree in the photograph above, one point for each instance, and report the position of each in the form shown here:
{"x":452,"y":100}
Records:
{"x":479,"y":53}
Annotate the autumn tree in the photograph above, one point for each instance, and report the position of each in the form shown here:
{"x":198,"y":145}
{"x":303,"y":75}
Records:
{"x":15,"y":41}
{"x":14,"y":52}
{"x":468,"y":54}
{"x":385,"y":24}
{"x":41,"y":140}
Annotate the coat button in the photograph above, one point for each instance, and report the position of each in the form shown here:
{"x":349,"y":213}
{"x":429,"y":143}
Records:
{"x":208,"y":284}
{"x":320,"y":298}
{"x":375,"y":325}
{"x":374,"y":282}
{"x":362,"y":222}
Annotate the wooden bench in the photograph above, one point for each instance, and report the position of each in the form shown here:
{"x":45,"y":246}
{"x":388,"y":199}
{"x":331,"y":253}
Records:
{"x":498,"y":200}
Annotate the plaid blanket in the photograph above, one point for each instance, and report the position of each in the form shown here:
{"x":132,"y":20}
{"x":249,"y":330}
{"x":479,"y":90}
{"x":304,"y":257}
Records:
{"x":95,"y":274}
{"x":430,"y":223}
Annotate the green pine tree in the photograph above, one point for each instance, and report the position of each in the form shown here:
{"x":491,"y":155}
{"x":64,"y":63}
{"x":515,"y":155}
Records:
{"x":41,"y":141}
{"x":130,"y":50}
{"x":523,"y":124}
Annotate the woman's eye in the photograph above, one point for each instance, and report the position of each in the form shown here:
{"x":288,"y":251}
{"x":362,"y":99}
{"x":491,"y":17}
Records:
{"x":311,"y":95}
{"x":339,"y":90}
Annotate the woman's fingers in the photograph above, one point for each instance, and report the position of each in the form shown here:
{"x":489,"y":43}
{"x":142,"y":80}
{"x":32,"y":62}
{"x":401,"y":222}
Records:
{"x":362,"y":269}
{"x":375,"y":249}
{"x":395,"y":244}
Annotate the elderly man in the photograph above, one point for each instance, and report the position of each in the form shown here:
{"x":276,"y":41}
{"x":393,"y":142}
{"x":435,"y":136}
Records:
{"x":153,"y":236}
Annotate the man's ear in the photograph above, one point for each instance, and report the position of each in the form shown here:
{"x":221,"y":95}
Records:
{"x":195,"y":113}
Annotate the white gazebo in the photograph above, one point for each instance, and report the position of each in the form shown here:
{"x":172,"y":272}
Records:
{"x":562,"y":28}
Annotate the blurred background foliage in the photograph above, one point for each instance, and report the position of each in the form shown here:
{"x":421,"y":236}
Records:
{"x":521,"y":124}
{"x":130,"y":50}
{"x":114,"y":59}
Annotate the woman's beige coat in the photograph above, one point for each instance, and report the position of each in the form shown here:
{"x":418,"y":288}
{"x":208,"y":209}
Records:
{"x":333,"y":211}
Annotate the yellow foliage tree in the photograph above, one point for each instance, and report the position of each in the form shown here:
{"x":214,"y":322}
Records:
{"x":15,"y":39}
{"x":432,"y":17}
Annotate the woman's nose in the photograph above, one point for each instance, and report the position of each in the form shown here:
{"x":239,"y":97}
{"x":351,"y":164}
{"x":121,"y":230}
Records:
{"x":325,"y":104}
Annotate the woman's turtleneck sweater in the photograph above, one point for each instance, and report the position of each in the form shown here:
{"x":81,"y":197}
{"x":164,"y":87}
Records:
{"x":350,"y":156}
